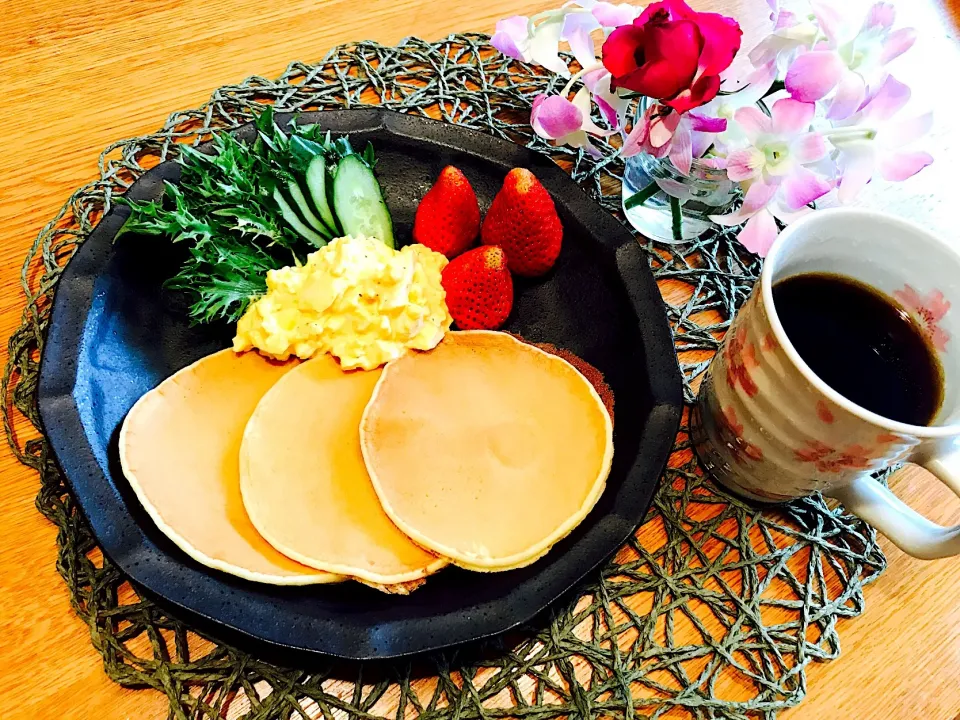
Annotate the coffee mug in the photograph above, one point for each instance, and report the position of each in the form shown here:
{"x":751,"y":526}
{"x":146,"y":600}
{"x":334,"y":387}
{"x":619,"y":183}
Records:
{"x":766,"y":427}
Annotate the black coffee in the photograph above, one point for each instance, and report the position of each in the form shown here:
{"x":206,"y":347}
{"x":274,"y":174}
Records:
{"x":863,"y":344}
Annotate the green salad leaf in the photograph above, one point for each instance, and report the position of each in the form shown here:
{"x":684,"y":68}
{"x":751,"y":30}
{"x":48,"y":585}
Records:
{"x":242,"y":209}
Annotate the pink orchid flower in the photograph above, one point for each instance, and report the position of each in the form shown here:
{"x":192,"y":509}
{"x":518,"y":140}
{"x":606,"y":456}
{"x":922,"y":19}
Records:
{"x":554,"y":117}
{"x":517,"y":37}
{"x":873,"y":141}
{"x":753,"y":88}
{"x":512,"y":37}
{"x":613,"y":107}
{"x":537,"y":40}
{"x":613,"y":16}
{"x":774,"y":170}
{"x":791,"y":35}
{"x":663,"y":132}
{"x":850,"y":63}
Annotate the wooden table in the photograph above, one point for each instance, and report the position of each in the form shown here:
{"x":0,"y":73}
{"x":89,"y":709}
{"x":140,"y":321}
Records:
{"x":82,"y":73}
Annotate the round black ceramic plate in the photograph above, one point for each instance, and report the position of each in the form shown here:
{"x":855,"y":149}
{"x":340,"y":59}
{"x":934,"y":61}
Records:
{"x":115,"y":334}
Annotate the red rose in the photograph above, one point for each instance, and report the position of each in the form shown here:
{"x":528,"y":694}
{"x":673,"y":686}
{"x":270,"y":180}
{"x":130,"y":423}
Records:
{"x":673,"y":54}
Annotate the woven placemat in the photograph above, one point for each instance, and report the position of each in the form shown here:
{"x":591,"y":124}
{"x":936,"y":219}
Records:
{"x":712,"y":610}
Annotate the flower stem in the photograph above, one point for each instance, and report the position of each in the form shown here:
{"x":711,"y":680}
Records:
{"x":641,"y":196}
{"x":850,"y":134}
{"x":777,"y":86}
{"x":677,"y":214}
{"x":579,"y":74}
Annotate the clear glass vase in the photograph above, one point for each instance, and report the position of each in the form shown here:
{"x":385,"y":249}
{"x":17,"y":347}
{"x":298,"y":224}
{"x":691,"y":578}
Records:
{"x":705,"y":191}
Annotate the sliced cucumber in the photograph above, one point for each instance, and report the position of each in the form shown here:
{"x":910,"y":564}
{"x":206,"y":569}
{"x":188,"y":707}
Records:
{"x":316,"y":179}
{"x":290,"y":215}
{"x":358,"y":202}
{"x":306,"y":212}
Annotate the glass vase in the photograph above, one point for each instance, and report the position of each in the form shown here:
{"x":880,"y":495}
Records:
{"x":705,"y":191}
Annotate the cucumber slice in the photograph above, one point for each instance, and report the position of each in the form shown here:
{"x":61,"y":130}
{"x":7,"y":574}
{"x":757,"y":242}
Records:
{"x":312,"y":221}
{"x":358,"y":202}
{"x":316,"y":179}
{"x":290,"y":215}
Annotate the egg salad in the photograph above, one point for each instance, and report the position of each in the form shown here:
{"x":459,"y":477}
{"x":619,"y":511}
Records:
{"x":355,"y":298}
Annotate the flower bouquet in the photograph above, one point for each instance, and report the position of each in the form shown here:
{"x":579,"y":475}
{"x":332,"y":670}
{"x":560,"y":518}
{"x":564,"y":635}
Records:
{"x":813,"y":113}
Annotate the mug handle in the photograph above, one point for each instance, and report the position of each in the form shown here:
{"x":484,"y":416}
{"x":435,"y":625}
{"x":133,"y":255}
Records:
{"x":905,"y":527}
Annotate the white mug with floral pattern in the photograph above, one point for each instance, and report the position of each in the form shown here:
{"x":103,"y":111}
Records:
{"x":769,"y":429}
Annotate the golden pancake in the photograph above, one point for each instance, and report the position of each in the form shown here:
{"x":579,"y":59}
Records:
{"x":179,"y":448}
{"x":485,"y":449}
{"x":306,"y":488}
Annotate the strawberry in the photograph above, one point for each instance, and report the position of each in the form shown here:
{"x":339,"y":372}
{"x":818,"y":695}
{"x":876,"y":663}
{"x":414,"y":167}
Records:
{"x":523,"y":221}
{"x":448,"y":217}
{"x":479,"y":289}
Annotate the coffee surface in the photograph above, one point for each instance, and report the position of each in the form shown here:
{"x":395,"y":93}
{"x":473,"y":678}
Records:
{"x":863,"y":344}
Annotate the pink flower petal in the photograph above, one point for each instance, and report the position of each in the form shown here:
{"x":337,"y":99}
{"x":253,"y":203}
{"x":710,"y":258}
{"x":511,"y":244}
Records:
{"x":759,"y":234}
{"x":610,"y":15}
{"x":808,"y":148}
{"x":850,"y":94}
{"x":702,"y":123}
{"x":681,"y":149}
{"x":553,"y":116}
{"x":858,"y":163}
{"x":898,"y":133}
{"x":829,"y":20}
{"x":744,"y":164}
{"x":758,"y":196}
{"x":635,"y":142}
{"x":662,"y":128}
{"x":897,"y":43}
{"x":784,"y":19}
{"x":814,"y":74}
{"x":788,"y":216}
{"x":802,"y":187}
{"x":544,"y":47}
{"x":755,"y":200}
{"x":580,"y":139}
{"x":594,"y":78}
{"x":607,"y":112}
{"x":582,"y":102}
{"x":758,"y":82}
{"x":898,"y":166}
{"x":791,"y":117}
{"x":576,"y":31}
{"x":765,"y":51}
{"x":511,"y":36}
{"x":613,"y":108}
{"x":880,"y":16}
{"x":701,"y":142}
{"x":891,"y":96}
{"x":752,"y":122}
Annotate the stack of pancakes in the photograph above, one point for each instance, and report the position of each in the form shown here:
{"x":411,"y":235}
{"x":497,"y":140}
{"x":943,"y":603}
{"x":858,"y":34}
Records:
{"x":483,"y":453}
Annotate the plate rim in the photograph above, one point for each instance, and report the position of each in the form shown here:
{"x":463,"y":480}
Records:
{"x":60,"y":418}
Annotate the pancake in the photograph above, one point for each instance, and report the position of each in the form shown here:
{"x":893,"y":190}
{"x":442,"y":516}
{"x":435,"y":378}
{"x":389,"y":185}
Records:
{"x":486,"y":450}
{"x":179,"y":448}
{"x":305,"y":485}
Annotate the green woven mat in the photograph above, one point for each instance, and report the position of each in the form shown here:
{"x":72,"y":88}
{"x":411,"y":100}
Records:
{"x":713,"y":610}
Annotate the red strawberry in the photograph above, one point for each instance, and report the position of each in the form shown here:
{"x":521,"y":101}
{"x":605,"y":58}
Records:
{"x":448,"y":217}
{"x":479,"y":289}
{"x":523,"y":221}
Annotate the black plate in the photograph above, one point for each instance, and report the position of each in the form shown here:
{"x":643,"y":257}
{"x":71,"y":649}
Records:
{"x":115,"y":335}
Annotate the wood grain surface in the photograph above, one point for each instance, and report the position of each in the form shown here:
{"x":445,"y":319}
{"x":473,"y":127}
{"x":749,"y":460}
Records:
{"x":80,"y":74}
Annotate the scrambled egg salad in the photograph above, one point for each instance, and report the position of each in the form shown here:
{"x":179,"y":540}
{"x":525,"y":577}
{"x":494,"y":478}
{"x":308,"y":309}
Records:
{"x":355,"y":298}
